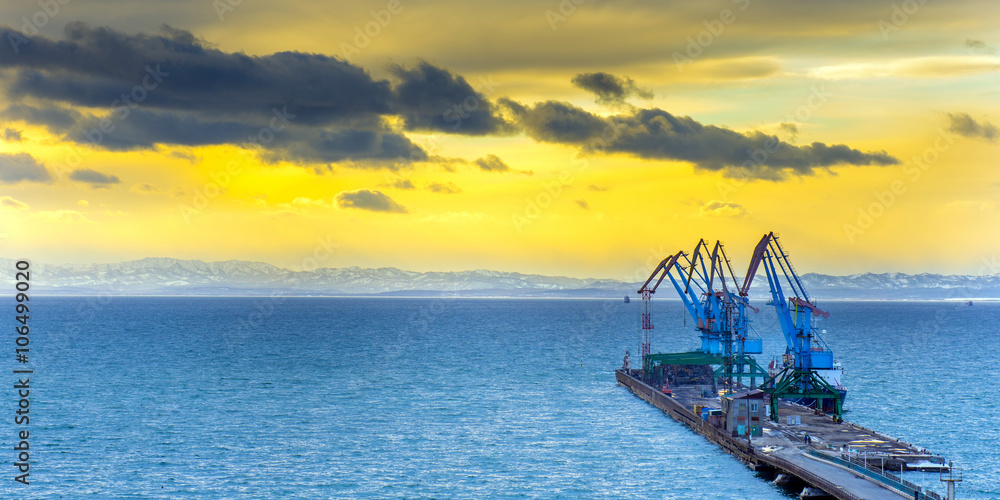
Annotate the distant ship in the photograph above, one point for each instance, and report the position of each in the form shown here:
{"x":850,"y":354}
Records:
{"x":627,"y":301}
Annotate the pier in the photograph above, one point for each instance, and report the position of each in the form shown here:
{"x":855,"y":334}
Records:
{"x":830,"y":462}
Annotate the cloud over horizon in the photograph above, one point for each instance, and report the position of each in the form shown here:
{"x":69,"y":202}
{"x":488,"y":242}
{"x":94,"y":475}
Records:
{"x":431,"y":98}
{"x":404,"y":184}
{"x":965,"y":125}
{"x":492,"y":163}
{"x":12,"y":135}
{"x":659,"y":135}
{"x":365,"y":199}
{"x":716,"y":208}
{"x":11,"y":203}
{"x":443,"y":188}
{"x":93,"y":177}
{"x":17,"y":167}
{"x":610,"y":89}
{"x":172,"y":88}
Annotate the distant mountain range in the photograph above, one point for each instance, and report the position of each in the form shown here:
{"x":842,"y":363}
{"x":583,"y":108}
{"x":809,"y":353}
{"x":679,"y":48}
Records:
{"x":162,"y":276}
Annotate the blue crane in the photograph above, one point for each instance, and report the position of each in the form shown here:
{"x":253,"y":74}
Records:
{"x":806,"y":354}
{"x":719,"y":315}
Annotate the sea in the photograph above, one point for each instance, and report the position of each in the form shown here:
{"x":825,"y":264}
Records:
{"x":448,"y":398}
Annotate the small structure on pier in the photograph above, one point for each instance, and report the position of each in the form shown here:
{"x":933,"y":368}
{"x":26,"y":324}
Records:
{"x":744,"y":412}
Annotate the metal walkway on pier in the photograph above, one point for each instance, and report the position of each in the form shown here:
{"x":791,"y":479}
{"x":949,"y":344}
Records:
{"x":851,"y":483}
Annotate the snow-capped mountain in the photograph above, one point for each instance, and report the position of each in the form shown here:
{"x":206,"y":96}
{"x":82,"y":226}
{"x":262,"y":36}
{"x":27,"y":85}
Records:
{"x":163,"y":276}
{"x":903,"y":286}
{"x":171,"y":276}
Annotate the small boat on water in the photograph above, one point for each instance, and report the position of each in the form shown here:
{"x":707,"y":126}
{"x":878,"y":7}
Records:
{"x":627,"y":301}
{"x":969,"y":304}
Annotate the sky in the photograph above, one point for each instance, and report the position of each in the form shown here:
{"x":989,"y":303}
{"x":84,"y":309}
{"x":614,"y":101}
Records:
{"x":576,"y":137}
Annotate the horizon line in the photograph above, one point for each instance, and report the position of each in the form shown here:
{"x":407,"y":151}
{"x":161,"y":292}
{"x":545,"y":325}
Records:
{"x":452,"y":272}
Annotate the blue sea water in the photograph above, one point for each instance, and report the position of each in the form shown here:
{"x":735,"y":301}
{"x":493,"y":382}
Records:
{"x":444,"y":398}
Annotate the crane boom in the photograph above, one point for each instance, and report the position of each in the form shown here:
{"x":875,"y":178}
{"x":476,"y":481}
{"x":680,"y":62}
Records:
{"x":724,"y":328}
{"x":719,"y":316}
{"x":809,"y":353}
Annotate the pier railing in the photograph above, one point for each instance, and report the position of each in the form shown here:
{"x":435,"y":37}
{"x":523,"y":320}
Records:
{"x":923,"y":494}
{"x":813,"y":479}
{"x":886,"y":478}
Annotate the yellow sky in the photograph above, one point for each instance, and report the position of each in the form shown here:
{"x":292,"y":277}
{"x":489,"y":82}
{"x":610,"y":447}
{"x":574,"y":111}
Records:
{"x":886,"y":86}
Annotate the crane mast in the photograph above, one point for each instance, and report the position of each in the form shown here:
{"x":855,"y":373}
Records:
{"x":718,"y":305}
{"x":798,"y":379}
{"x":719,"y":315}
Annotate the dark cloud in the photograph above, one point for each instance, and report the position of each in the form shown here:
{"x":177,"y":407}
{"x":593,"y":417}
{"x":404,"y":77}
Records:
{"x":975,"y":44}
{"x":448,"y":164}
{"x":93,"y":177}
{"x":11,"y":135}
{"x":431,"y":98}
{"x":583,"y":204}
{"x":382,"y":147}
{"x":443,"y":188}
{"x":716,"y":208}
{"x":171,"y":88}
{"x":53,"y":117}
{"x":554,"y":121}
{"x":790,"y":128}
{"x":405,"y":184}
{"x":11,"y":203}
{"x":963,"y":124}
{"x":657,"y":134}
{"x":145,"y":129}
{"x":184,"y":155}
{"x":492,"y":163}
{"x":610,"y":89}
{"x":17,"y":167}
{"x":145,"y":188}
{"x":93,"y":66}
{"x":979,"y":46}
{"x":365,"y":199}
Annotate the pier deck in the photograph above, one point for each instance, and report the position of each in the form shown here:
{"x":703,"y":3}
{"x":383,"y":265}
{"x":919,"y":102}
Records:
{"x":782,"y":447}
